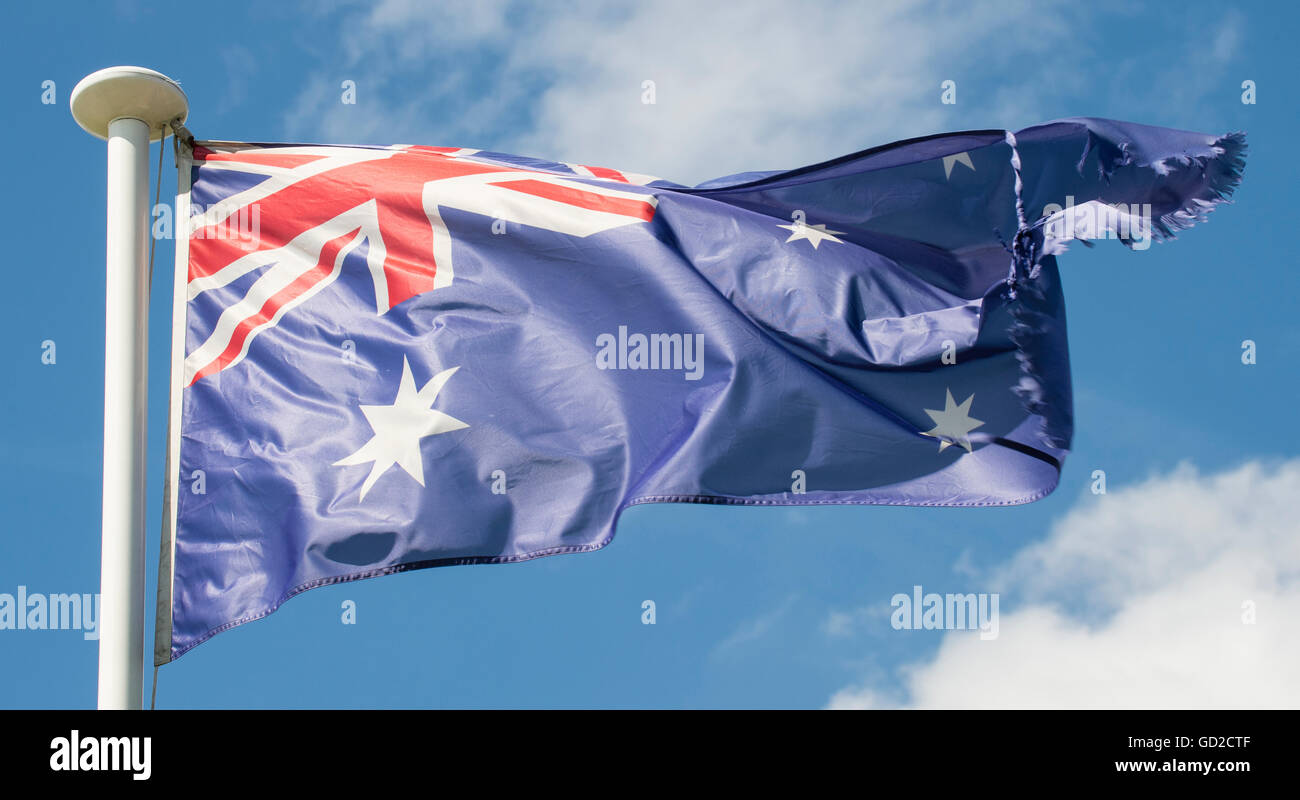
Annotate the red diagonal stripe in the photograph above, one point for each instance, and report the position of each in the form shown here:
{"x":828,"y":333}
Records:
{"x":260,"y":157}
{"x":639,"y":209}
{"x":606,"y":172}
{"x":324,"y":266}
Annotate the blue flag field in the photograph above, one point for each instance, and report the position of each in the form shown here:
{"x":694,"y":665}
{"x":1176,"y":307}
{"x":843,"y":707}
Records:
{"x":390,"y":358}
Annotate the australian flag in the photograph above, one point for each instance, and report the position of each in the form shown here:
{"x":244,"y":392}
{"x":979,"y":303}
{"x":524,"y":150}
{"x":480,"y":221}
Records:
{"x":390,"y":358}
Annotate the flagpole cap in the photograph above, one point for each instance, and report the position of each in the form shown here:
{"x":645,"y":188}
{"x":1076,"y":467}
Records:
{"x":132,"y":92}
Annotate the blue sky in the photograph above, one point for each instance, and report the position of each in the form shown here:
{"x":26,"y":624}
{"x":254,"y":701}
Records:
{"x":1134,"y":597}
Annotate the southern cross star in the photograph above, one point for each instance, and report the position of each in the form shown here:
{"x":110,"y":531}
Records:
{"x":953,"y":423}
{"x":400,"y":427}
{"x":956,"y":158}
{"x":815,"y":234}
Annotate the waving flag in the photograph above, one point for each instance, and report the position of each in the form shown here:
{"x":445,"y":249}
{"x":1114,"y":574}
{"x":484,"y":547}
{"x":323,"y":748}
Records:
{"x":389,"y":358}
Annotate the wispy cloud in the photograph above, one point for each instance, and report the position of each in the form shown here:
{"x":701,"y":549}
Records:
{"x":753,"y":630}
{"x":841,"y":624}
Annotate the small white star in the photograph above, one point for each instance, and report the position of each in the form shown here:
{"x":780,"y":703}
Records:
{"x":400,"y":427}
{"x":956,"y":158}
{"x":813,"y":233}
{"x":953,"y":423}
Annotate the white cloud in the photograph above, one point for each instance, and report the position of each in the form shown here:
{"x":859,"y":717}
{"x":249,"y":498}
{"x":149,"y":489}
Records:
{"x":1135,"y":599}
{"x":758,"y":85}
{"x":753,"y":86}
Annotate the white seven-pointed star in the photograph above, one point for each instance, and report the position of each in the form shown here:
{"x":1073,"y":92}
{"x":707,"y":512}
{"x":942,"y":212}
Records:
{"x":953,"y":423}
{"x":813,"y":233}
{"x":400,"y":427}
{"x":956,"y":158}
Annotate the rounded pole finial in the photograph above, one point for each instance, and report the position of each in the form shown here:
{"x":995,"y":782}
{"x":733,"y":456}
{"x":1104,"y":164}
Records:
{"x":128,"y":92}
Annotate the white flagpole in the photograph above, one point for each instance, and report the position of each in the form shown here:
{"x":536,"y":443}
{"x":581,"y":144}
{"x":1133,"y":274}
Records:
{"x":130,"y":107}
